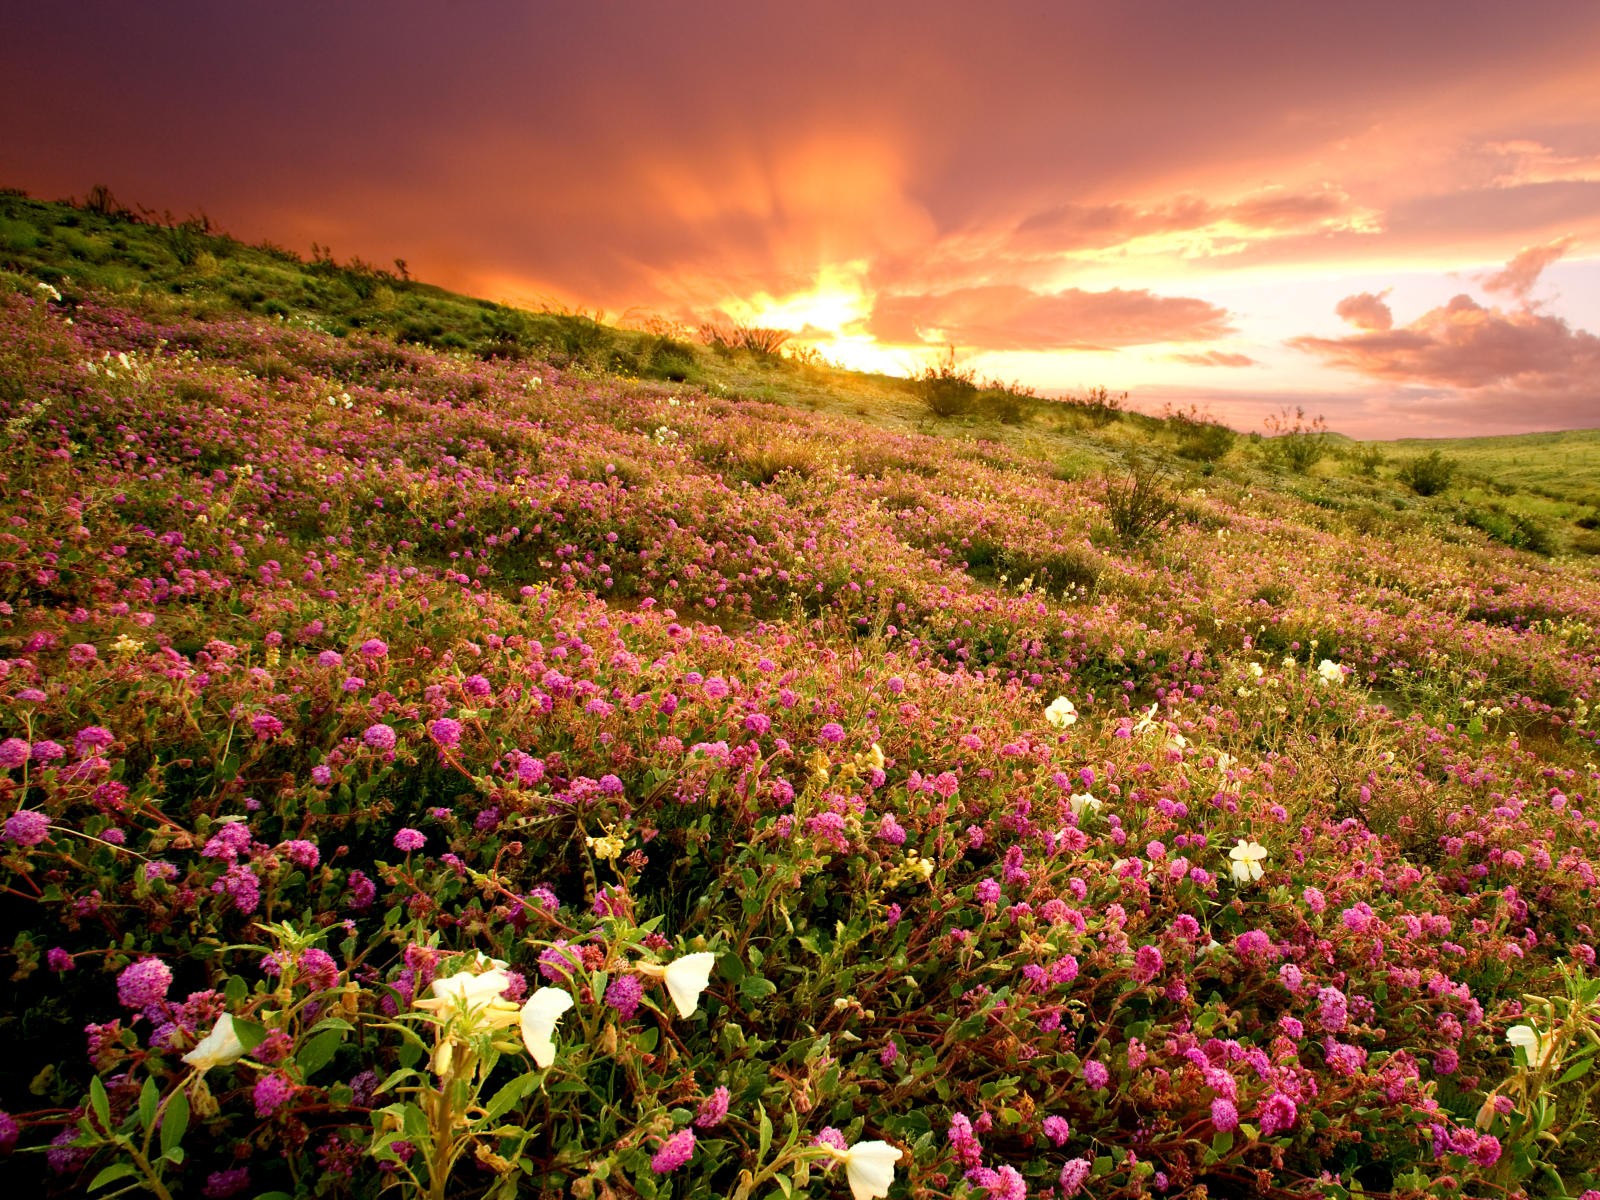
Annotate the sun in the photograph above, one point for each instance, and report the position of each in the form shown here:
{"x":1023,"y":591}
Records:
{"x":830,"y":317}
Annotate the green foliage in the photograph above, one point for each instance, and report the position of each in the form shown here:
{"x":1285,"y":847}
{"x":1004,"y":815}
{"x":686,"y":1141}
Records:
{"x":945,"y":389}
{"x":1140,"y":505}
{"x":1200,"y":436}
{"x":1296,"y":443}
{"x":1517,"y":530}
{"x":1366,"y":458}
{"x":1429,"y":474}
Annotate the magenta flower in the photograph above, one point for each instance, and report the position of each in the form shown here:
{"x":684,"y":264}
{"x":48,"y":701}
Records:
{"x":1095,"y":1074}
{"x":374,"y":648}
{"x":1224,"y":1115}
{"x":1057,"y":1130}
{"x":1074,"y":1172}
{"x":674,"y":1152}
{"x":144,"y":983}
{"x":446,"y":731}
{"x":1277,"y":1114}
{"x":1147,"y":964}
{"x":410,"y":839}
{"x":623,"y":994}
{"x":13,"y":753}
{"x":379,"y":737}
{"x":26,"y":827}
{"x":713,"y":1110}
{"x":271,"y":1093}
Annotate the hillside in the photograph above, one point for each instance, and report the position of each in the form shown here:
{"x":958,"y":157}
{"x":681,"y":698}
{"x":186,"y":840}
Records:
{"x":450,"y":764}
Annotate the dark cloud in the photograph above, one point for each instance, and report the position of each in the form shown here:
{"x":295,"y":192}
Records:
{"x":1006,"y":317}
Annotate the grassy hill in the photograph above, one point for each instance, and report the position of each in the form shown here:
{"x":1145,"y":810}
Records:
{"x":463,"y":763}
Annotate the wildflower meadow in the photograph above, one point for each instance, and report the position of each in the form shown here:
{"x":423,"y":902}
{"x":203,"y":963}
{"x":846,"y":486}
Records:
{"x":427,"y":775}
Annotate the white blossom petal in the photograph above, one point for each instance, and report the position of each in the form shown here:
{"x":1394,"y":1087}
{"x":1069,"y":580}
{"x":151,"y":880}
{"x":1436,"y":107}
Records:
{"x":218,"y":1048}
{"x":869,"y":1168}
{"x":539,"y":1016}
{"x":686,"y":978}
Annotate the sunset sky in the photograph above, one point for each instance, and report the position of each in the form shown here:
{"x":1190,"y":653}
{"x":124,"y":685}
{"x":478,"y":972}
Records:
{"x":1387,"y":213}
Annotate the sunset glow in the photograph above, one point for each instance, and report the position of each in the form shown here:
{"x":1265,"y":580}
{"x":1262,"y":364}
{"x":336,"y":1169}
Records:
{"x":1070,"y":196}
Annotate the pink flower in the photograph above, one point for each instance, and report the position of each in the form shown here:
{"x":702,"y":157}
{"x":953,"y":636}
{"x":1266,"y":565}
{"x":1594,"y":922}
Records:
{"x":410,"y":839}
{"x":271,"y":1093}
{"x":713,"y":1110}
{"x":1073,"y":1174}
{"x":26,"y":827}
{"x":674,"y":1152}
{"x":379,"y":737}
{"x":144,"y":983}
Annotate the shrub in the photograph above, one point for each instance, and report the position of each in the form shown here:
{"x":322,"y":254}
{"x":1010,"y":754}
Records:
{"x":1366,"y":458}
{"x":1296,"y":443}
{"x":1201,"y":437}
{"x":1429,"y":474}
{"x":1140,"y":505}
{"x":1517,"y":530}
{"x":945,"y":389}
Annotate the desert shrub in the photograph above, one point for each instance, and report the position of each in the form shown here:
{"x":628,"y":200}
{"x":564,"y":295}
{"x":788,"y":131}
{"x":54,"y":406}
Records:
{"x":1296,"y":443}
{"x":668,"y":358}
{"x":1428,"y":474}
{"x":945,"y":389}
{"x":727,"y":338}
{"x":1201,"y":437}
{"x":1140,"y":505}
{"x":1517,"y":530}
{"x":1366,"y":458}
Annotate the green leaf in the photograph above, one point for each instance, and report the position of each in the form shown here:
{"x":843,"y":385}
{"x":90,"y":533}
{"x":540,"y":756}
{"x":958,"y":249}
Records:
{"x":250,"y":1033}
{"x":757,"y":987}
{"x":316,"y":1053}
{"x":1576,"y":1071}
{"x":149,"y":1102}
{"x":509,"y":1096}
{"x":175,"y":1123}
{"x":174,"y":1156}
{"x":1222,"y":1143}
{"x":99,"y":1102}
{"x":111,"y":1174}
{"x":236,"y":990}
{"x":765,"y":1130}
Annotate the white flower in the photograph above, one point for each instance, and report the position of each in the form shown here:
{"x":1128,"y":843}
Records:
{"x":1082,"y":801}
{"x":869,"y":1168}
{"x":539,"y":1016}
{"x":1246,"y":859}
{"x":474,"y":996}
{"x":686,"y":978}
{"x":1533,"y":1046}
{"x":1061,"y":713}
{"x":1256,"y":671}
{"x":1328,"y":672}
{"x":218,"y":1048}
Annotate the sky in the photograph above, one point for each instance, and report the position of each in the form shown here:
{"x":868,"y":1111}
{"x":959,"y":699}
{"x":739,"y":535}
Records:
{"x":1387,"y":214}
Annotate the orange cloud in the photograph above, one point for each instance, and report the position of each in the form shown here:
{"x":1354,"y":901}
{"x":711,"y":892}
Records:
{"x":1520,"y":274}
{"x":1366,"y":310}
{"x":1007,"y":317}
{"x":1498,"y":365}
{"x":1214,"y":358}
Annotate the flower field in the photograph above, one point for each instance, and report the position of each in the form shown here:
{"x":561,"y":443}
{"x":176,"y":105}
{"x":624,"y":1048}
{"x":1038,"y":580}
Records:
{"x":429,"y":776}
